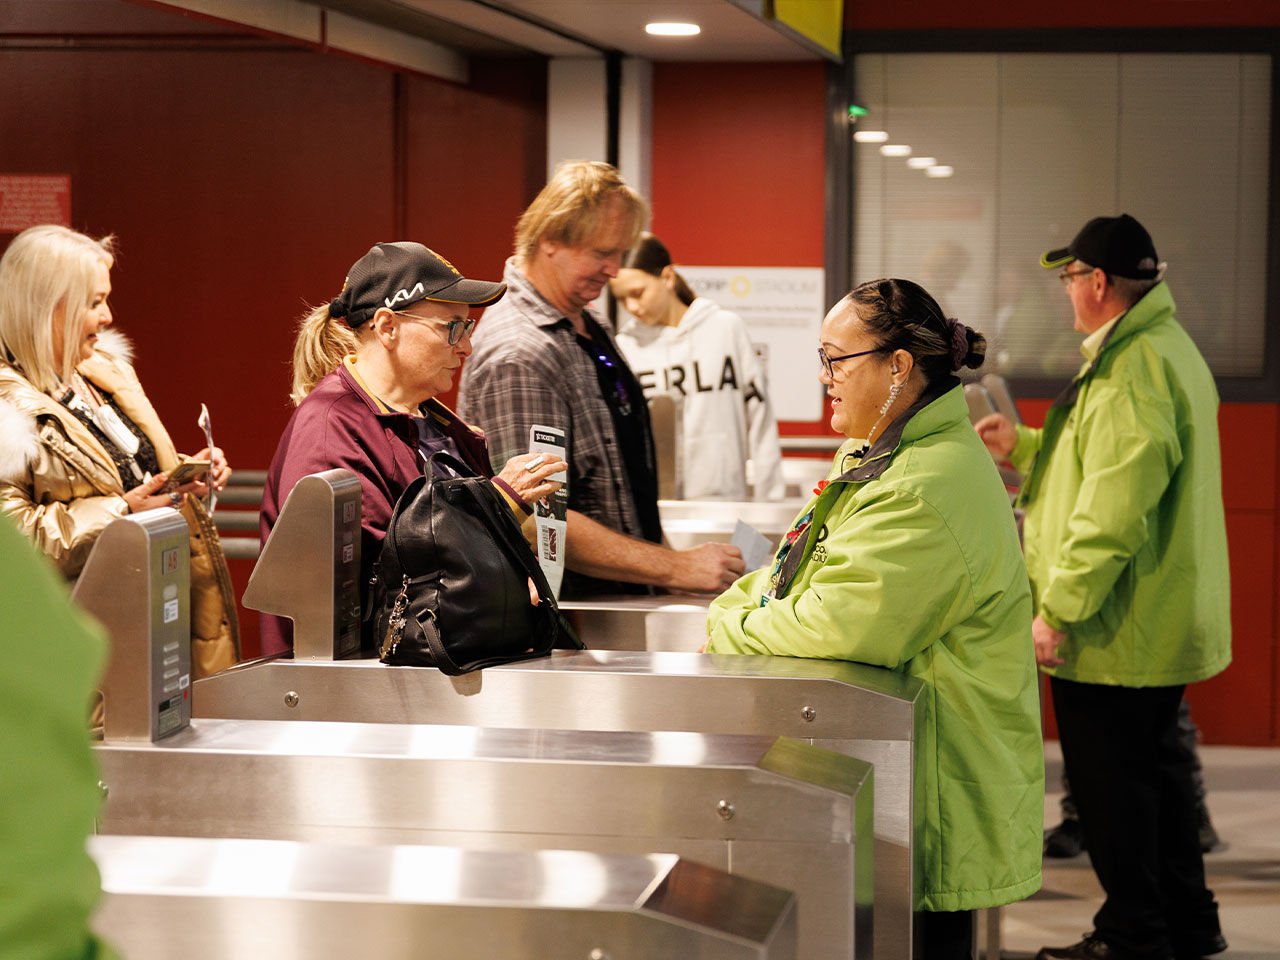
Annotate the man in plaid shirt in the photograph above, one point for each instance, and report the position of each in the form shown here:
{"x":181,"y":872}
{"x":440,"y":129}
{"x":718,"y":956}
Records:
{"x":544,"y":356}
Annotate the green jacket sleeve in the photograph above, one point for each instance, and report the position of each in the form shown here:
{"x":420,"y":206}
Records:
{"x":1128,"y":449}
{"x":48,"y":788}
{"x":864,"y":602}
{"x":1026,"y":446}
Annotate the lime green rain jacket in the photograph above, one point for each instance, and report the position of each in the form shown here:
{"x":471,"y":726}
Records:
{"x":1126,"y":540}
{"x":912,"y":563}
{"x":48,"y":776}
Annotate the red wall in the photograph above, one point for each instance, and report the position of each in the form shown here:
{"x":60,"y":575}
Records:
{"x":242,"y":183}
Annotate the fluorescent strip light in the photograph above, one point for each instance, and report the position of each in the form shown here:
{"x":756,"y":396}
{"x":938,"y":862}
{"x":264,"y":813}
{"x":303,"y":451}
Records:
{"x":896,"y":150}
{"x":871,"y":136}
{"x":939,"y":170}
{"x":919,"y":163}
{"x":658,"y":29}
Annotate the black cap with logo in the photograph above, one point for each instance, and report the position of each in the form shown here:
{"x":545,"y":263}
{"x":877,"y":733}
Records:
{"x":394,"y":275}
{"x":1119,"y":245}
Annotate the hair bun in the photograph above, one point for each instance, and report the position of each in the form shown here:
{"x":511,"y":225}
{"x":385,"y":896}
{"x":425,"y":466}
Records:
{"x":337,"y":308}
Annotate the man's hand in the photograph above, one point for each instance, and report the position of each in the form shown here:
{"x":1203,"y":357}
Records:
{"x":998,"y":433}
{"x":707,"y":568}
{"x":1046,"y":640}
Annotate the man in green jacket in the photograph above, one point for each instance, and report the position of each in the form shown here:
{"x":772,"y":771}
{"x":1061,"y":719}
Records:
{"x":1125,"y":542}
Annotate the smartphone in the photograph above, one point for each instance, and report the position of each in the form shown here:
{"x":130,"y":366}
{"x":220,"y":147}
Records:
{"x":187,"y":471}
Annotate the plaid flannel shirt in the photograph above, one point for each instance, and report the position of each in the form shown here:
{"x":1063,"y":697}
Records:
{"x":528,"y":367}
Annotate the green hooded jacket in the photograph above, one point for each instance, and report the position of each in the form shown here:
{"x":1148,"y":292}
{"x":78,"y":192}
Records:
{"x":1126,"y":540}
{"x":912,"y":563}
{"x":49,"y":792}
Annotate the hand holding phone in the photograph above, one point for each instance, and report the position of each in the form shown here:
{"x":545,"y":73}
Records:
{"x":187,"y":472}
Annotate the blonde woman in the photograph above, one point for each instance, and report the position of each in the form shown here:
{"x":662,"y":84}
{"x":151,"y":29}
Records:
{"x":80,"y":443}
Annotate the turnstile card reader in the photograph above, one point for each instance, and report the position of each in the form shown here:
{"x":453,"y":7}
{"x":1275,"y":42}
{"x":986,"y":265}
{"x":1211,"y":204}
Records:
{"x":771,"y":809}
{"x":309,"y":569}
{"x":204,"y":899}
{"x":137,"y":582}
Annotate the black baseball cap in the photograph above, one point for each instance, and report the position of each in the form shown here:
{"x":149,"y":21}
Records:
{"x":395,"y":275}
{"x":1119,"y":245}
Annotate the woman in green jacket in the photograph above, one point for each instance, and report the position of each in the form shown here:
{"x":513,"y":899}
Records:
{"x":907,"y":558}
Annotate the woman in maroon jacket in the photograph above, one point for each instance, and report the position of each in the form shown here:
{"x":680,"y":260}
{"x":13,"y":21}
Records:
{"x":366,"y":369}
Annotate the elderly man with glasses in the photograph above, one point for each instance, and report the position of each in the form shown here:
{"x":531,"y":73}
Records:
{"x":1126,"y":545}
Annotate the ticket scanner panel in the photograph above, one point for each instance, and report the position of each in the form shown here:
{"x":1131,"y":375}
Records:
{"x":772,"y":809}
{"x":137,"y":583}
{"x":209,"y":899}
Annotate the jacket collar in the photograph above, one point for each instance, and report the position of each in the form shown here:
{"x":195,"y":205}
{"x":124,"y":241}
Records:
{"x":933,"y":409}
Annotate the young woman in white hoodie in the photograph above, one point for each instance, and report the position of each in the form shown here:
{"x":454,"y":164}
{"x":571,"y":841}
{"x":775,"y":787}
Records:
{"x":699,"y":354}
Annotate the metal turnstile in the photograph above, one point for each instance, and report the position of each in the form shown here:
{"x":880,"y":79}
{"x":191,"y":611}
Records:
{"x":864,"y":712}
{"x":688,"y":523}
{"x":203,"y":899}
{"x":669,"y":623}
{"x":770,"y":809}
{"x":137,"y":583}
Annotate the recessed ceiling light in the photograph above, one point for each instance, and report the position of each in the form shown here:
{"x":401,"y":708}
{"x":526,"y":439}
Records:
{"x":939,"y":170}
{"x":871,"y":136}
{"x":919,"y":163}
{"x":896,"y":150}
{"x":658,"y":29}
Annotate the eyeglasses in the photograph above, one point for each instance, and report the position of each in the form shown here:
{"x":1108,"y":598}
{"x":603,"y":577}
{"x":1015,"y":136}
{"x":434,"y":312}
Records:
{"x":827,"y":361}
{"x":1066,"y":275}
{"x":459,"y":327}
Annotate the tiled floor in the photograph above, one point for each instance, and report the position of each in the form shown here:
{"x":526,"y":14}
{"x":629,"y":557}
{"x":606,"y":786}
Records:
{"x":1244,"y":802}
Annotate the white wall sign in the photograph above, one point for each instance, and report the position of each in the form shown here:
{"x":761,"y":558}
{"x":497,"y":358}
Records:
{"x":783,"y":308}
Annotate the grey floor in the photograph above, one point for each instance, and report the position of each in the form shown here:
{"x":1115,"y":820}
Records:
{"x":1244,"y":803}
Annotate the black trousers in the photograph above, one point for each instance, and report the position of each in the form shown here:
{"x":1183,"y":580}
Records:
{"x":1132,"y":785}
{"x":943,"y":936}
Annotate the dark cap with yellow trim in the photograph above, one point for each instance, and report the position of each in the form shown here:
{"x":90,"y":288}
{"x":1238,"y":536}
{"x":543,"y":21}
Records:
{"x":395,"y":275}
{"x":1119,"y":245}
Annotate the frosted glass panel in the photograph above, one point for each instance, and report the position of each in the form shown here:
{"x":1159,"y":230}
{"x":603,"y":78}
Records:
{"x":1038,"y":144}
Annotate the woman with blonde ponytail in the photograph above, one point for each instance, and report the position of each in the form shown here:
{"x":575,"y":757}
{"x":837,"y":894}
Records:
{"x":367,"y":367}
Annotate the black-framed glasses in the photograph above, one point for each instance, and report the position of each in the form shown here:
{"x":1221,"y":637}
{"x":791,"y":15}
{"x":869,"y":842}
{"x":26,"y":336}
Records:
{"x":459,"y":327}
{"x":827,"y":361}
{"x":1066,"y":275}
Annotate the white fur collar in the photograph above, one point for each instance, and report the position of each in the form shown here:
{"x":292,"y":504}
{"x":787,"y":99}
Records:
{"x":19,"y":442}
{"x":115,"y":345}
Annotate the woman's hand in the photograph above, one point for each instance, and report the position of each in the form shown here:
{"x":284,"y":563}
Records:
{"x":998,"y":433}
{"x":533,"y":485}
{"x":151,"y":494}
{"x":219,"y":472}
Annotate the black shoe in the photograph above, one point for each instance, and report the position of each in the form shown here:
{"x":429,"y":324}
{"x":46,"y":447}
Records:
{"x":1209,"y":839}
{"x":1090,"y":948}
{"x":1200,"y":947}
{"x":1065,"y":840}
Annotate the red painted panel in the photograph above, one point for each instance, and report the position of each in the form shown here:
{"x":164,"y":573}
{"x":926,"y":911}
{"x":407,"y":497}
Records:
{"x":1249,"y":435}
{"x":738,"y":162}
{"x":995,"y":14}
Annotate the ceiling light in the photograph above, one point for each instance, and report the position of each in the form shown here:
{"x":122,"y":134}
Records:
{"x":896,"y":150}
{"x":919,"y":163}
{"x":871,"y":136}
{"x":939,"y":170}
{"x":658,"y":29}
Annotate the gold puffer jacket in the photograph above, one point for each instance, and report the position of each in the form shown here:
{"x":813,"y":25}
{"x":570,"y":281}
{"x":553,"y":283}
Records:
{"x":61,"y":488}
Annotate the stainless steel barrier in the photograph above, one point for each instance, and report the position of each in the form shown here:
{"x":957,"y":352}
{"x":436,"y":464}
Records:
{"x":640,"y":622}
{"x":137,"y":582}
{"x":770,"y":809}
{"x":309,"y":569}
{"x":203,"y":899}
{"x":864,"y":712}
{"x":688,"y":523}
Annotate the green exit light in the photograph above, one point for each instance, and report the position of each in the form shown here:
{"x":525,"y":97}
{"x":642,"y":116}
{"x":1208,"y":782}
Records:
{"x":857,"y":111}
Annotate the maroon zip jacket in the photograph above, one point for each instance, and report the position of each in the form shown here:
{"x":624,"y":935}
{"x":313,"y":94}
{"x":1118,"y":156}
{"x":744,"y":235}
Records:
{"x":339,"y":425}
